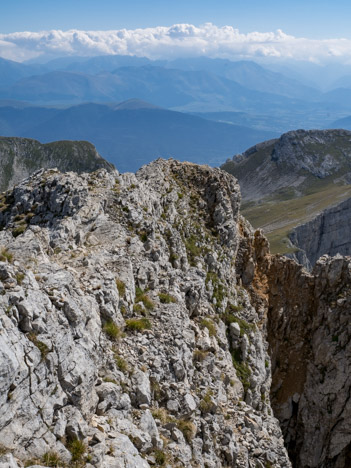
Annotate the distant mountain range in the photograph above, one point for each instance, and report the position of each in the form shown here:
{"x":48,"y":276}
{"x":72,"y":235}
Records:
{"x":132,"y":133}
{"x":171,"y":88}
{"x":191,"y":85}
{"x":203,"y":110}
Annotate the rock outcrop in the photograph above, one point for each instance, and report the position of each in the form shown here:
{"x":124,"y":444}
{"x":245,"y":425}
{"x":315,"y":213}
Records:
{"x":20,"y":157}
{"x":287,"y":165}
{"x":328,"y":233}
{"x":126,"y":339}
{"x":142,"y":321}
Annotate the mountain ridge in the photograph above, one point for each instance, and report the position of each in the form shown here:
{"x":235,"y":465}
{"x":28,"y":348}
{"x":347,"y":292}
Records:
{"x":20,"y":157}
{"x":288,"y":181}
{"x":186,"y":332}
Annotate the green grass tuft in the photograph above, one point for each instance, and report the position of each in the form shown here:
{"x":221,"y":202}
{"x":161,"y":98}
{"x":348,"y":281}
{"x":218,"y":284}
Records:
{"x":166,"y":298}
{"x":206,"y":323}
{"x":121,"y":287}
{"x":77,"y":449}
{"x":112,"y":330}
{"x":138,"y":324}
{"x":6,"y":255}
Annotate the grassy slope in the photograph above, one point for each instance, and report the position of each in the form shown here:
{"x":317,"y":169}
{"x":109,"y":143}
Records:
{"x":277,"y":218}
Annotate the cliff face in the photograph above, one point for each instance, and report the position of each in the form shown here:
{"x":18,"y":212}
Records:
{"x":309,"y":345}
{"x":142,"y":321}
{"x":126,"y":339}
{"x":20,"y":157}
{"x":328,"y":233}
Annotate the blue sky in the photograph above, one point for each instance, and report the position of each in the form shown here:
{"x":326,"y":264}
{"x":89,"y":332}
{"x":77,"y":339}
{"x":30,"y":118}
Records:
{"x":300,"y":30}
{"x":309,"y":18}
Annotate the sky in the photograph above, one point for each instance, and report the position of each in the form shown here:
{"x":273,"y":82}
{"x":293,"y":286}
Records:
{"x":309,"y":18}
{"x":303,"y":30}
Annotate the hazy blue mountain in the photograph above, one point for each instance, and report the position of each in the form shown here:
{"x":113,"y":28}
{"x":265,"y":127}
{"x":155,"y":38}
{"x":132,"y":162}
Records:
{"x":164,"y":87}
{"x":342,"y":82}
{"x":108,"y":63}
{"x":133,"y":133}
{"x":11,"y":71}
{"x":339,"y":97}
{"x":323,"y":76}
{"x":249,"y":74}
{"x":342,"y":123}
{"x":246,"y":73}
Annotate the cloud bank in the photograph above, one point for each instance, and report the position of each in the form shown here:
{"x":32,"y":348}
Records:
{"x":180,"y":40}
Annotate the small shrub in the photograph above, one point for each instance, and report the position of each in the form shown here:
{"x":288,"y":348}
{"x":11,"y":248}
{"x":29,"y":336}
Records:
{"x":245,"y":327}
{"x":18,"y":230}
{"x":172,"y":259}
{"x":138,"y":324}
{"x":161,"y":414}
{"x":219,"y":290}
{"x":4,"y":450}
{"x":242,"y":369}
{"x":206,"y":403}
{"x":187,"y":428}
{"x":160,"y":458}
{"x":109,"y":380}
{"x":112,"y":330}
{"x":44,"y":350}
{"x":206,"y":323}
{"x":199,"y":355}
{"x":143,"y":236}
{"x":19,"y":278}
{"x":5,"y":255}
{"x":167,"y":298}
{"x":156,"y":390}
{"x":139,"y":309}
{"x":77,"y":449}
{"x":192,"y":249}
{"x":121,"y":287}
{"x":51,"y":459}
{"x":141,"y":296}
{"x":121,"y":363}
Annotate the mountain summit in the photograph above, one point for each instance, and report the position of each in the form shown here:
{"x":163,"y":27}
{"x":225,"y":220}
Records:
{"x":288,"y":181}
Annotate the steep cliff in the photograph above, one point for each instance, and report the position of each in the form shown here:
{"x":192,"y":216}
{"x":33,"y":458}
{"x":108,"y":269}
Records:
{"x":126,"y":339}
{"x":329,"y":232}
{"x":309,"y":345}
{"x":20,"y":157}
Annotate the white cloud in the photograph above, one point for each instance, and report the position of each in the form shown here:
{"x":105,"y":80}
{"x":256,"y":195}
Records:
{"x":175,"y":41}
